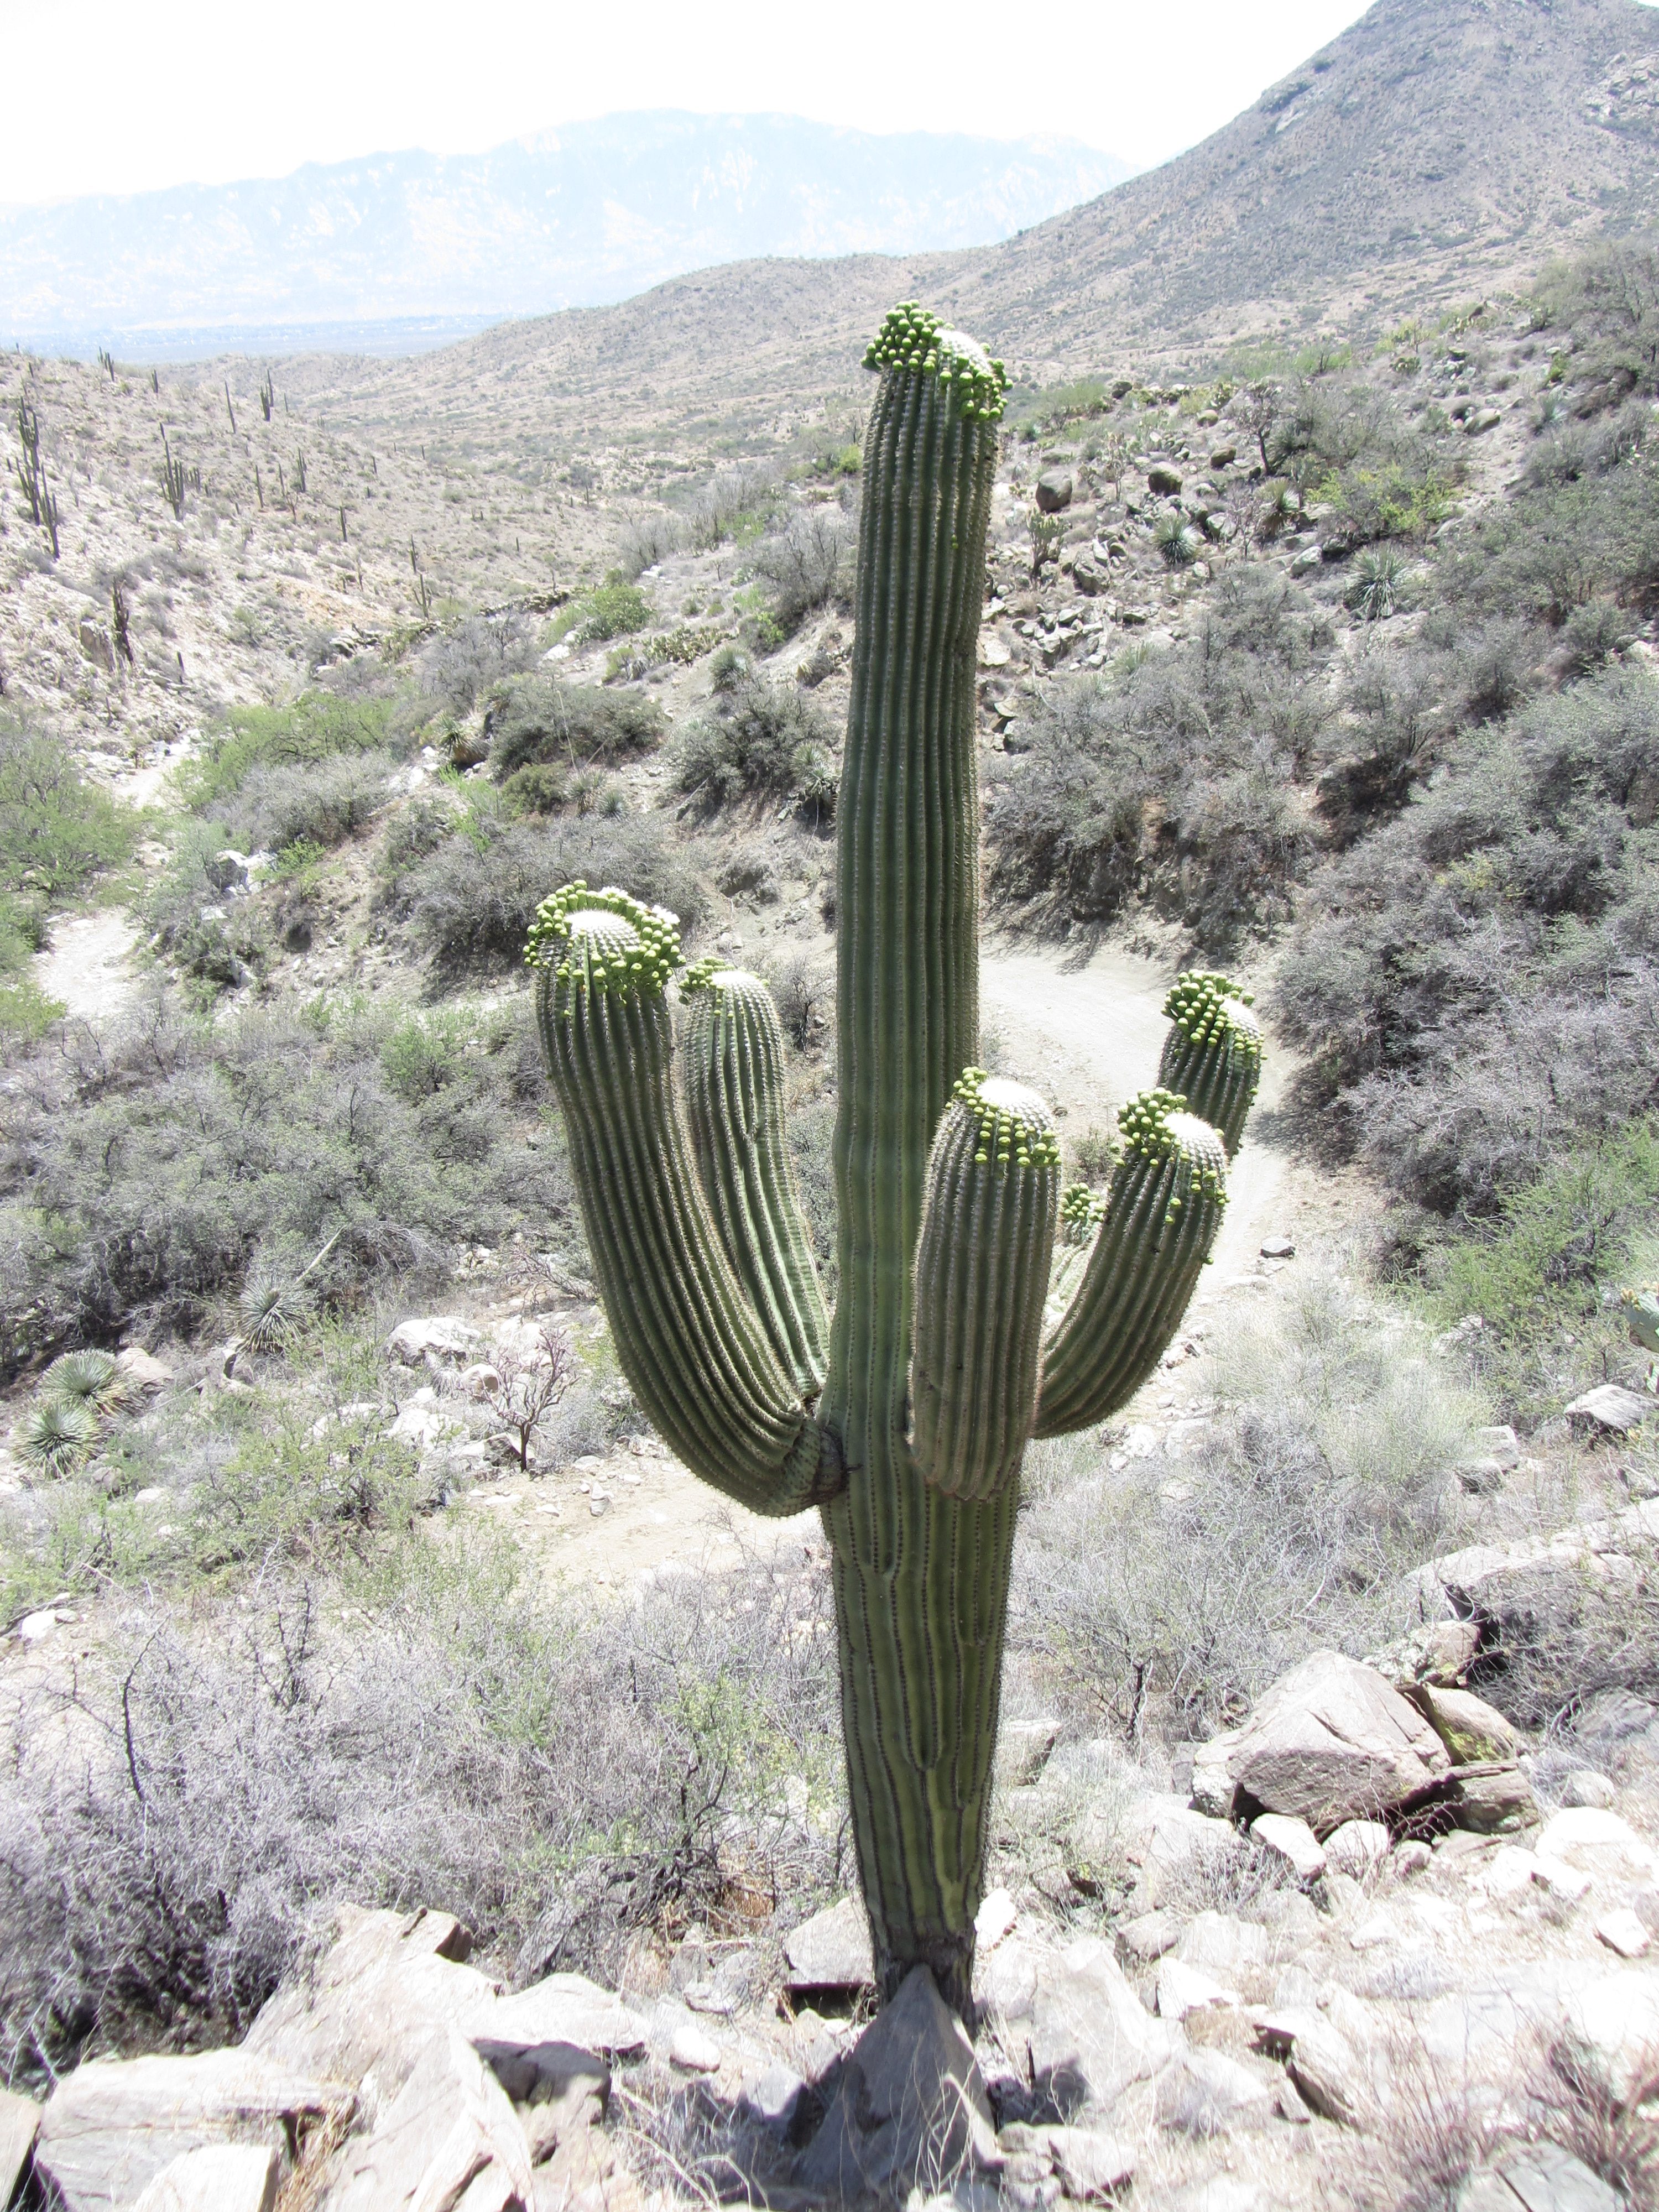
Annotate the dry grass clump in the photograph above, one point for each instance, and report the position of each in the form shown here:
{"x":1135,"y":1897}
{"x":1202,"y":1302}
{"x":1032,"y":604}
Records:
{"x":174,"y":1827}
{"x":1169,"y":1592}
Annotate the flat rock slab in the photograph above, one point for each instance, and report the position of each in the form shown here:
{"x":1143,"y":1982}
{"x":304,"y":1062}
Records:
{"x":1541,"y":2178}
{"x":449,"y":2138}
{"x":1611,"y":1408}
{"x":562,"y":2008}
{"x":832,"y":1951}
{"x":223,"y":2177}
{"x":911,"y":2104}
{"x":110,"y":2128}
{"x":1090,"y":2166}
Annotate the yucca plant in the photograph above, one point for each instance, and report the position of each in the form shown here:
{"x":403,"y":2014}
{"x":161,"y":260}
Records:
{"x":54,"y":1436}
{"x":90,"y":1378}
{"x":1379,"y":583}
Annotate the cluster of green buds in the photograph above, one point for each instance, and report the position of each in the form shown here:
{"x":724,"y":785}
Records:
{"x":1081,"y":1212}
{"x":1197,"y":1004}
{"x":702,"y":973}
{"x":1005,"y":1138}
{"x":1156,"y":1125}
{"x":575,"y":934}
{"x":913,"y":338}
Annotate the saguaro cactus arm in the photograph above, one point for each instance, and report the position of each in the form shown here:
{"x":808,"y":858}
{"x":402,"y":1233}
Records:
{"x":988,"y":1235}
{"x":1164,"y":1207}
{"x":1212,"y":1054}
{"x":736,"y":1101}
{"x":688,"y":1342}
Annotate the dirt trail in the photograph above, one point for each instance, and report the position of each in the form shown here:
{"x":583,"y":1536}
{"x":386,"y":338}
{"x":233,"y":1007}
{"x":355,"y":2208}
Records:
{"x":85,"y":966}
{"x":1088,"y":1037}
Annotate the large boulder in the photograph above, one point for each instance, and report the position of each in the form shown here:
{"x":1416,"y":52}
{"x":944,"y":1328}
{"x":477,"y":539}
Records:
{"x":20,"y":2124}
{"x":360,"y":2018}
{"x":1054,"y":490}
{"x":1330,"y":1741}
{"x":910,"y":2105}
{"x":111,"y":2126}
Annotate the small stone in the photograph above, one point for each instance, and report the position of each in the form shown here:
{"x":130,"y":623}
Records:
{"x":1490,"y":1799}
{"x":693,"y":2051}
{"x":1356,"y":1848}
{"x":1584,"y":1786}
{"x":1293,"y":1840}
{"x":1163,"y":480}
{"x":1279,"y":1248}
{"x":1615,"y":2024}
{"x":1149,"y":1937}
{"x":1182,"y":1989}
{"x":996,"y":1919}
{"x":775,"y":2096}
{"x":1623,"y":1932}
{"x":1054,"y":490}
{"x":1499,"y":1443}
{"x":1472,"y":1730}
{"x":1224,"y":457}
{"x":1023,"y":1748}
{"x":1206,"y":2092}
{"x":832,"y":1951}
{"x":1412,"y":1857}
{"x":1090,"y":2166}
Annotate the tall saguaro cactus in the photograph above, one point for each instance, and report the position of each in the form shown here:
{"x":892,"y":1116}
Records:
{"x":907,"y":1419}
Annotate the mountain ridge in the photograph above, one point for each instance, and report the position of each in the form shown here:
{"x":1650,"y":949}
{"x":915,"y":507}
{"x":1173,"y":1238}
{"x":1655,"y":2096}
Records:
{"x":1436,"y":151}
{"x":585,"y":213}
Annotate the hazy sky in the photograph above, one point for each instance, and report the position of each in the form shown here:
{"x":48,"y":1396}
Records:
{"x":108,"y":96}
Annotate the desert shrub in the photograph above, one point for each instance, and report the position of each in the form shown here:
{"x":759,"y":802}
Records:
{"x":1544,"y":1274}
{"x":1550,"y":550}
{"x":1593,"y":635}
{"x":1475,"y":983}
{"x":1168,"y":1594}
{"x":464,"y":1747}
{"x":760,"y":742}
{"x":648,"y":540}
{"x":472,"y":902}
{"x":414,"y":831}
{"x":1173,"y":780}
{"x":1608,"y":299}
{"x":147,"y":1161}
{"x":803,"y":991}
{"x":311,"y":729}
{"x":612,"y":609}
{"x":533,"y":720}
{"x":811,"y":1132}
{"x":320,"y":806}
{"x":57,"y":830}
{"x":456,"y":668}
{"x":735,"y":504}
{"x":809,"y":563}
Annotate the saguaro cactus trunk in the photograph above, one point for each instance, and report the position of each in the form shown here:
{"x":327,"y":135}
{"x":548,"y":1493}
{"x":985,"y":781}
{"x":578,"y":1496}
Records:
{"x":910,"y":1434}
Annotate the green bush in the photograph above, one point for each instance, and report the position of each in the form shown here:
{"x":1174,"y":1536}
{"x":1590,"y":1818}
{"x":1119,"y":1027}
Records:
{"x":760,"y":744}
{"x":148,"y":1161}
{"x":1173,"y":780}
{"x":613,"y":609}
{"x":472,"y":902}
{"x":57,"y":830}
{"x":534,"y":719}
{"x":278,"y":809}
{"x":1543,"y":1275}
{"x":312,"y":729}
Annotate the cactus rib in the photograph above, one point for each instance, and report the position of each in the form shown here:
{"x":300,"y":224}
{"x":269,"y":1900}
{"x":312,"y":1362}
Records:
{"x":987,"y":1233}
{"x":735,"y":1097}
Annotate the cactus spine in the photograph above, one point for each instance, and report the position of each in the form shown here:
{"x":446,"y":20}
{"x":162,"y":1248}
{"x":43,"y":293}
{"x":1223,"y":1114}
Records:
{"x":909,"y":1433}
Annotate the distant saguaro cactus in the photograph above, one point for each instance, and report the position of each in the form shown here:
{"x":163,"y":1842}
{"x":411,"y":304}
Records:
{"x":268,"y":397}
{"x":907,"y":1421}
{"x":173,"y":478}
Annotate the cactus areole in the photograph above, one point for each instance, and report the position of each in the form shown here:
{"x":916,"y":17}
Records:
{"x":904,"y":1416}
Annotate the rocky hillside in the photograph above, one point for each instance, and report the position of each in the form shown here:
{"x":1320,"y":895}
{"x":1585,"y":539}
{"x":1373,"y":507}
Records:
{"x":1440,"y":149}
